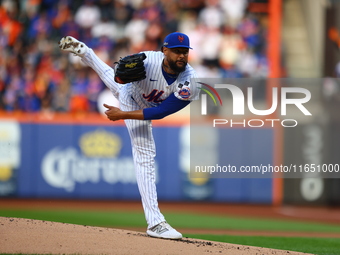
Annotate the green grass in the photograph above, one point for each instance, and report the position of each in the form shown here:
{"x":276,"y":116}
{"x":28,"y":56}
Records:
{"x":136,"y":219}
{"x":93,"y":218}
{"x":320,"y":246}
{"x":242,"y":223}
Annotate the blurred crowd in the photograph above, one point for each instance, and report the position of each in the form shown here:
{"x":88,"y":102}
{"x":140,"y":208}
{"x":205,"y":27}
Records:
{"x":35,"y":75}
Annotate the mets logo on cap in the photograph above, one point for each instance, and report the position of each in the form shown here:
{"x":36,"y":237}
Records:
{"x":177,"y":39}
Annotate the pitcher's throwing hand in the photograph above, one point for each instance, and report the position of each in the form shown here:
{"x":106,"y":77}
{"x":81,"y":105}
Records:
{"x":112,"y":113}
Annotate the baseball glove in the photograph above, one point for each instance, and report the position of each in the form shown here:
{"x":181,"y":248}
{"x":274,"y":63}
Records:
{"x":130,"y":68}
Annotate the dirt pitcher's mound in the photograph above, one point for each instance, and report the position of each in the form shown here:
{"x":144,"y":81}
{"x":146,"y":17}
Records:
{"x":44,"y":237}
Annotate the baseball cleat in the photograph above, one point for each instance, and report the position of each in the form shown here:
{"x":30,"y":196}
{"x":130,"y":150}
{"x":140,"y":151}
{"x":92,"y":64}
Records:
{"x":70,"y":44}
{"x":164,"y":230}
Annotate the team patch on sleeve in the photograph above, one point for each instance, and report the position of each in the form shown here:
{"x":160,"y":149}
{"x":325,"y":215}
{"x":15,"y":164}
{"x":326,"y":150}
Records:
{"x":184,"y":92}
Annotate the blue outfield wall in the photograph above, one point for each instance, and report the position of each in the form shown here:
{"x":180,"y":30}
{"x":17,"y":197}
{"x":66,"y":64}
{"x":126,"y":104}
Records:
{"x":95,"y":162}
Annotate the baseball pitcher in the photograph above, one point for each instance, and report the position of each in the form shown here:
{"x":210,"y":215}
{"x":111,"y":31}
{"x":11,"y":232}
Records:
{"x":149,"y":85}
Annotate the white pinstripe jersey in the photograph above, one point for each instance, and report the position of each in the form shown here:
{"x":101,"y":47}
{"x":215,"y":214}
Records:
{"x":154,"y":88}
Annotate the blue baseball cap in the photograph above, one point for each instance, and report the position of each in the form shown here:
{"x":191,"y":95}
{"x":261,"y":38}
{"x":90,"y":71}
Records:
{"x":176,"y":40}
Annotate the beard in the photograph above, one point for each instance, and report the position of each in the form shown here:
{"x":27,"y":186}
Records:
{"x":174,"y":67}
